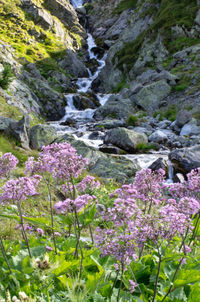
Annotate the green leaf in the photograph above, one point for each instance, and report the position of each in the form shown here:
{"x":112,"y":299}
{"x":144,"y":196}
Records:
{"x":195,"y":293}
{"x":185,"y":277}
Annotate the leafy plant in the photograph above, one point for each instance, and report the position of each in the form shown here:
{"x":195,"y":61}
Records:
{"x":7,"y":76}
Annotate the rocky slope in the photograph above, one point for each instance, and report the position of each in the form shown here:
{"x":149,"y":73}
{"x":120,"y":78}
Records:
{"x":151,"y":71}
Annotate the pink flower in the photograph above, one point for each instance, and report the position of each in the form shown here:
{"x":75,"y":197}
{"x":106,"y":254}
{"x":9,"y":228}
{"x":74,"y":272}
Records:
{"x":48,"y":248}
{"x":40,"y":231}
{"x":57,"y":234}
{"x":133,"y":285}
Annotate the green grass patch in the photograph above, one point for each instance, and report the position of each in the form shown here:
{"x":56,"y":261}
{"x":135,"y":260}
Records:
{"x":132,"y":120}
{"x":142,"y":147}
{"x":9,"y":110}
{"x":121,"y":85}
{"x":169,"y":114}
{"x":7,"y":76}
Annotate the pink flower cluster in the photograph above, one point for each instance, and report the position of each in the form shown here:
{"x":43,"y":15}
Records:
{"x":70,"y":205}
{"x":19,"y":189}
{"x":88,"y":182}
{"x":8,"y":162}
{"x":142,"y":214}
{"x":60,"y":160}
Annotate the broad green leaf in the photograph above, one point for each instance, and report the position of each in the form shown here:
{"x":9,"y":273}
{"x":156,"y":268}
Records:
{"x":185,"y":277}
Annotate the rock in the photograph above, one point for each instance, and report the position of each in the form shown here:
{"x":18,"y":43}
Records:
{"x":186,"y":159}
{"x":197,"y":19}
{"x":82,"y":102}
{"x":105,"y":166}
{"x":110,"y":149}
{"x":182,"y":118}
{"x":164,"y":124}
{"x":125,"y":139}
{"x":81,"y":10}
{"x":158,"y":137}
{"x":178,"y":177}
{"x":5,"y":123}
{"x":158,"y":164}
{"x":190,"y":129}
{"x":41,"y":135}
{"x":109,"y":124}
{"x":116,"y":107}
{"x":20,"y":131}
{"x":150,"y":96}
{"x":73,"y":65}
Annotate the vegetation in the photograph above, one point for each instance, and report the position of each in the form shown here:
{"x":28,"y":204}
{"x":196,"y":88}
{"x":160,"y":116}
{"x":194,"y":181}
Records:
{"x":136,"y":243}
{"x":170,"y":13}
{"x":170,"y":113}
{"x":125,"y":4}
{"x":132,"y":120}
{"x":6,"y":76}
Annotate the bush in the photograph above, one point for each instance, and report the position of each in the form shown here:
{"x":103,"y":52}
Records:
{"x":132,"y":120}
{"x":7,"y":76}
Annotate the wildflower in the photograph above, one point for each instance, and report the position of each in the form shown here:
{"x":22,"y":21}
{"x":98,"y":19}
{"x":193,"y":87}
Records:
{"x":48,"y":248}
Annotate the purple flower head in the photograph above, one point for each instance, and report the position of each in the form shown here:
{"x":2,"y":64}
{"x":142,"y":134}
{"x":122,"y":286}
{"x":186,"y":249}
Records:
{"x":40,"y":231}
{"x":8,"y":162}
{"x":48,"y":248}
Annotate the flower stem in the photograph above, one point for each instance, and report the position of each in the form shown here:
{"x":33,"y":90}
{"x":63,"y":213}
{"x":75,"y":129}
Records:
{"x":4,"y":254}
{"x":157,"y":277}
{"x":52,"y":220}
{"x":23,"y":230}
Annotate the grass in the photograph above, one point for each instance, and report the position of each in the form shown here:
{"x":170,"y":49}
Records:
{"x":125,"y":4}
{"x":169,"y":114}
{"x":132,"y":120}
{"x":7,"y":76}
{"x":121,"y":85}
{"x":142,"y":147}
{"x":8,"y":110}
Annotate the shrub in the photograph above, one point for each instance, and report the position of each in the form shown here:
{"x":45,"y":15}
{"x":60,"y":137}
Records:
{"x":132,"y":120}
{"x":7,"y":76}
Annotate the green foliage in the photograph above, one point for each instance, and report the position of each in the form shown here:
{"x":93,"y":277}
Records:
{"x":180,"y":87}
{"x":132,"y":120}
{"x":142,"y":147}
{"x":121,"y":85}
{"x":125,"y":4}
{"x":196,"y":115}
{"x":6,"y":76}
{"x":169,"y":114}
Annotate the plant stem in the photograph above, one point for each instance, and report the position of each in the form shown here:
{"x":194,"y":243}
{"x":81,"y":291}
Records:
{"x":23,"y":230}
{"x":4,"y":254}
{"x":181,"y":260}
{"x":91,"y":235}
{"x":79,"y":244}
{"x":110,"y":294}
{"x":132,"y":273}
{"x":157,"y":277}
{"x":120,"y":286}
{"x":52,"y":220}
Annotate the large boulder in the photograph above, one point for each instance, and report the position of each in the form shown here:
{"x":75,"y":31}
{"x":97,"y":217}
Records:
{"x":5,"y":123}
{"x":73,"y":65}
{"x":150,"y":96}
{"x":183,"y":117}
{"x":186,"y":159}
{"x":118,"y":168}
{"x":125,"y":139}
{"x":190,"y":129}
{"x":116,"y":107}
{"x":158,"y":137}
{"x":41,"y":135}
{"x":20,"y":131}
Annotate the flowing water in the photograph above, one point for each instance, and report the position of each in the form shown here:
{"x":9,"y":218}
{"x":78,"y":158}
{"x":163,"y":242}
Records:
{"x":84,"y":118}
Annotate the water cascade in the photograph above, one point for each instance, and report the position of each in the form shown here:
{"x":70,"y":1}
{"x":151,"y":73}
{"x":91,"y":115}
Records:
{"x":83,"y":119}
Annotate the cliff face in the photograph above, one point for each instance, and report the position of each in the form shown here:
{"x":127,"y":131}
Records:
{"x":149,"y":41}
{"x":38,"y":39}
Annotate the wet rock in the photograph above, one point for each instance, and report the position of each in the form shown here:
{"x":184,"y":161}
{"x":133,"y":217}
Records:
{"x":105,"y":166}
{"x":110,"y":149}
{"x":116,"y":107}
{"x":41,"y":135}
{"x":82,"y":102}
{"x":178,"y":177}
{"x":186,"y":159}
{"x":73,"y":65}
{"x":125,"y":139}
{"x":158,"y":164}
